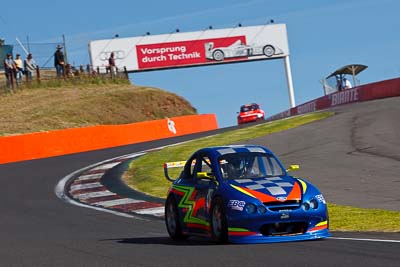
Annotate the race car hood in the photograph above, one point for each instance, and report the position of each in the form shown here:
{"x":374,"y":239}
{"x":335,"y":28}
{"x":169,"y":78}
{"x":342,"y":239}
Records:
{"x":269,"y":189}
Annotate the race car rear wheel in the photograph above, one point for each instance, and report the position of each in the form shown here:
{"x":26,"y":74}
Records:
{"x":172,"y":219}
{"x":218,"y":222}
{"x":218,"y":55}
{"x":269,"y":50}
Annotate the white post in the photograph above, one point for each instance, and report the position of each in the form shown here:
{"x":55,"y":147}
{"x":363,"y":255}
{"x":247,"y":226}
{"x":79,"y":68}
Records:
{"x":22,"y":46}
{"x":289,"y":82}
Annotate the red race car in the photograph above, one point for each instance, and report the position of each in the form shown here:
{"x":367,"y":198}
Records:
{"x":250,"y":113}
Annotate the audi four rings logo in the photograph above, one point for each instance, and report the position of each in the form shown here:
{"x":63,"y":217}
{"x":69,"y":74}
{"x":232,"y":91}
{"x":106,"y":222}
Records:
{"x":117,"y":54}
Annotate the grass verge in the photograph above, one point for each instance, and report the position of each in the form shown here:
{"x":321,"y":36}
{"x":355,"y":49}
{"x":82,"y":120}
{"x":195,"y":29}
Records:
{"x":346,"y":218}
{"x":146,"y":174}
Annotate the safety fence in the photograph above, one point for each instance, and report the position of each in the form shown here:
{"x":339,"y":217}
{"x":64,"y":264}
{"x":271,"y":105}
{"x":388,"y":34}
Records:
{"x":47,"y":76}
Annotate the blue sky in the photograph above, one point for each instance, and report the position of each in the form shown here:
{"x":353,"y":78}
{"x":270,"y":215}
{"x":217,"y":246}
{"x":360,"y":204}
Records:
{"x":323,"y":35}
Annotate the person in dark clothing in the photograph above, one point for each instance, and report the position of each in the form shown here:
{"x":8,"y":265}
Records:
{"x":59,"y":61}
{"x":9,"y":70}
{"x":111,"y":65}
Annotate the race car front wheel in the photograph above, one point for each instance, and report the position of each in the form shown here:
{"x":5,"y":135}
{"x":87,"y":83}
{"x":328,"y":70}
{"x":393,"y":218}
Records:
{"x":269,"y":50}
{"x":172,"y":219}
{"x":218,"y":55}
{"x":218,"y":223}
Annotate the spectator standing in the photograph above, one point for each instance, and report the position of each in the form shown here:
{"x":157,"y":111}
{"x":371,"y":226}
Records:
{"x":29,"y":67}
{"x":18,"y":69}
{"x":59,"y":61}
{"x":9,"y":70}
{"x":347,"y":83}
{"x":111,"y":65}
{"x":339,"y":83}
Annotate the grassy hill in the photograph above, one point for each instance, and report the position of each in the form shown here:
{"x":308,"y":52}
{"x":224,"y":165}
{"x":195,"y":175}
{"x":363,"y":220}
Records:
{"x":43,"y":109}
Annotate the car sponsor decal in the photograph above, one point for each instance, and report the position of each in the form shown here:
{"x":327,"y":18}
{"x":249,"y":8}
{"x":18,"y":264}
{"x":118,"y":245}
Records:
{"x":320,"y":198}
{"x":274,"y":185}
{"x":285,"y":216}
{"x":254,"y":194}
{"x":319,"y":226}
{"x":303,"y":185}
{"x":236,"y":204}
{"x":281,"y":199}
{"x":295,"y":194}
{"x":240,"y":232}
{"x":191,"y":206}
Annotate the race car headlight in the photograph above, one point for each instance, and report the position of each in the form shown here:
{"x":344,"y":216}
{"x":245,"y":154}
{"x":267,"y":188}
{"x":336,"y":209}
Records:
{"x":259,"y":115}
{"x":314,"y":204}
{"x":250,"y":208}
{"x":261,"y":209}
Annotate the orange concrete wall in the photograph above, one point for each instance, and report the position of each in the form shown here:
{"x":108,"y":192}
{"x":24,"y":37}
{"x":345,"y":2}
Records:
{"x":61,"y":142}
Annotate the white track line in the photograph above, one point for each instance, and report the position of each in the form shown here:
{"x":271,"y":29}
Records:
{"x":116,"y":202}
{"x":366,"y":239}
{"x":94,"y":194}
{"x":90,"y":176}
{"x":151,"y":211}
{"x":106,"y":166}
{"x":84,"y":186}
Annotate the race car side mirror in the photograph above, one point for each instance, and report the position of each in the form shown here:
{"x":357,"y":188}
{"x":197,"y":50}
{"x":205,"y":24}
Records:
{"x":205,"y":175}
{"x":293,"y":168}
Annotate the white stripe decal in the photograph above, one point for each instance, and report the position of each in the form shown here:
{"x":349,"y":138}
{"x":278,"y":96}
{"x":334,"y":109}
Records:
{"x":90,"y":176}
{"x":366,"y":239}
{"x":85,"y":186}
{"x":152,"y":211}
{"x":95,"y":194}
{"x":256,"y":149}
{"x":224,"y":151}
{"x":115,"y":202}
{"x":106,"y":166}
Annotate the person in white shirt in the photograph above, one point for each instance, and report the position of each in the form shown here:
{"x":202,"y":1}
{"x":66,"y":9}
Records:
{"x":347,"y":84}
{"x":19,"y":68}
{"x":29,"y":66}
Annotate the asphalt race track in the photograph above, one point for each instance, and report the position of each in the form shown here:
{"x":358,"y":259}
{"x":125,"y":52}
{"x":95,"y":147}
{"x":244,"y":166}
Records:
{"x":354,"y":157}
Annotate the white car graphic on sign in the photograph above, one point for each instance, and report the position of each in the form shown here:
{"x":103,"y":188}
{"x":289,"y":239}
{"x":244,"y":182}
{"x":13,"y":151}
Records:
{"x":237,"y":49}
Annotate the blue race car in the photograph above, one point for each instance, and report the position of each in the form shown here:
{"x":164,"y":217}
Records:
{"x":242,"y":194}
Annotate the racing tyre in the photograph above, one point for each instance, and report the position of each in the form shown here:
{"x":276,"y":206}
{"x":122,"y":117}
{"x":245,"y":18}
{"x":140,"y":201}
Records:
{"x":218,"y":55}
{"x":172,"y":220}
{"x":269,"y":50}
{"x":218,"y":222}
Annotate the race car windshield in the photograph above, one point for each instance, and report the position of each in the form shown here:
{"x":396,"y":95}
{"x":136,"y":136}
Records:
{"x":249,"y":165}
{"x":248,"y":108}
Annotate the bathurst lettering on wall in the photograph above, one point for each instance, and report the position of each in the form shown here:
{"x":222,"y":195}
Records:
{"x":306,"y":108}
{"x":345,"y":97}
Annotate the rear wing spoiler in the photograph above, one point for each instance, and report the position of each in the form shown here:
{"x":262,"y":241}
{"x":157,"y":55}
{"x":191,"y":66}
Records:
{"x":177,"y":164}
{"x":169,"y":165}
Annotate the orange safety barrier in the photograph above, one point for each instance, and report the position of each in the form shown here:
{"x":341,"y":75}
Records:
{"x":68,"y":141}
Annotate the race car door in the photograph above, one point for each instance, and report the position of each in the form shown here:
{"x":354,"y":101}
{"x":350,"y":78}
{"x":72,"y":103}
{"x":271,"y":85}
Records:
{"x":205,"y":185}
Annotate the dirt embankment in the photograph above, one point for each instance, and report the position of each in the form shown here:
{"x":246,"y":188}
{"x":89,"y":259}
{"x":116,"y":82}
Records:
{"x":34,"y":110}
